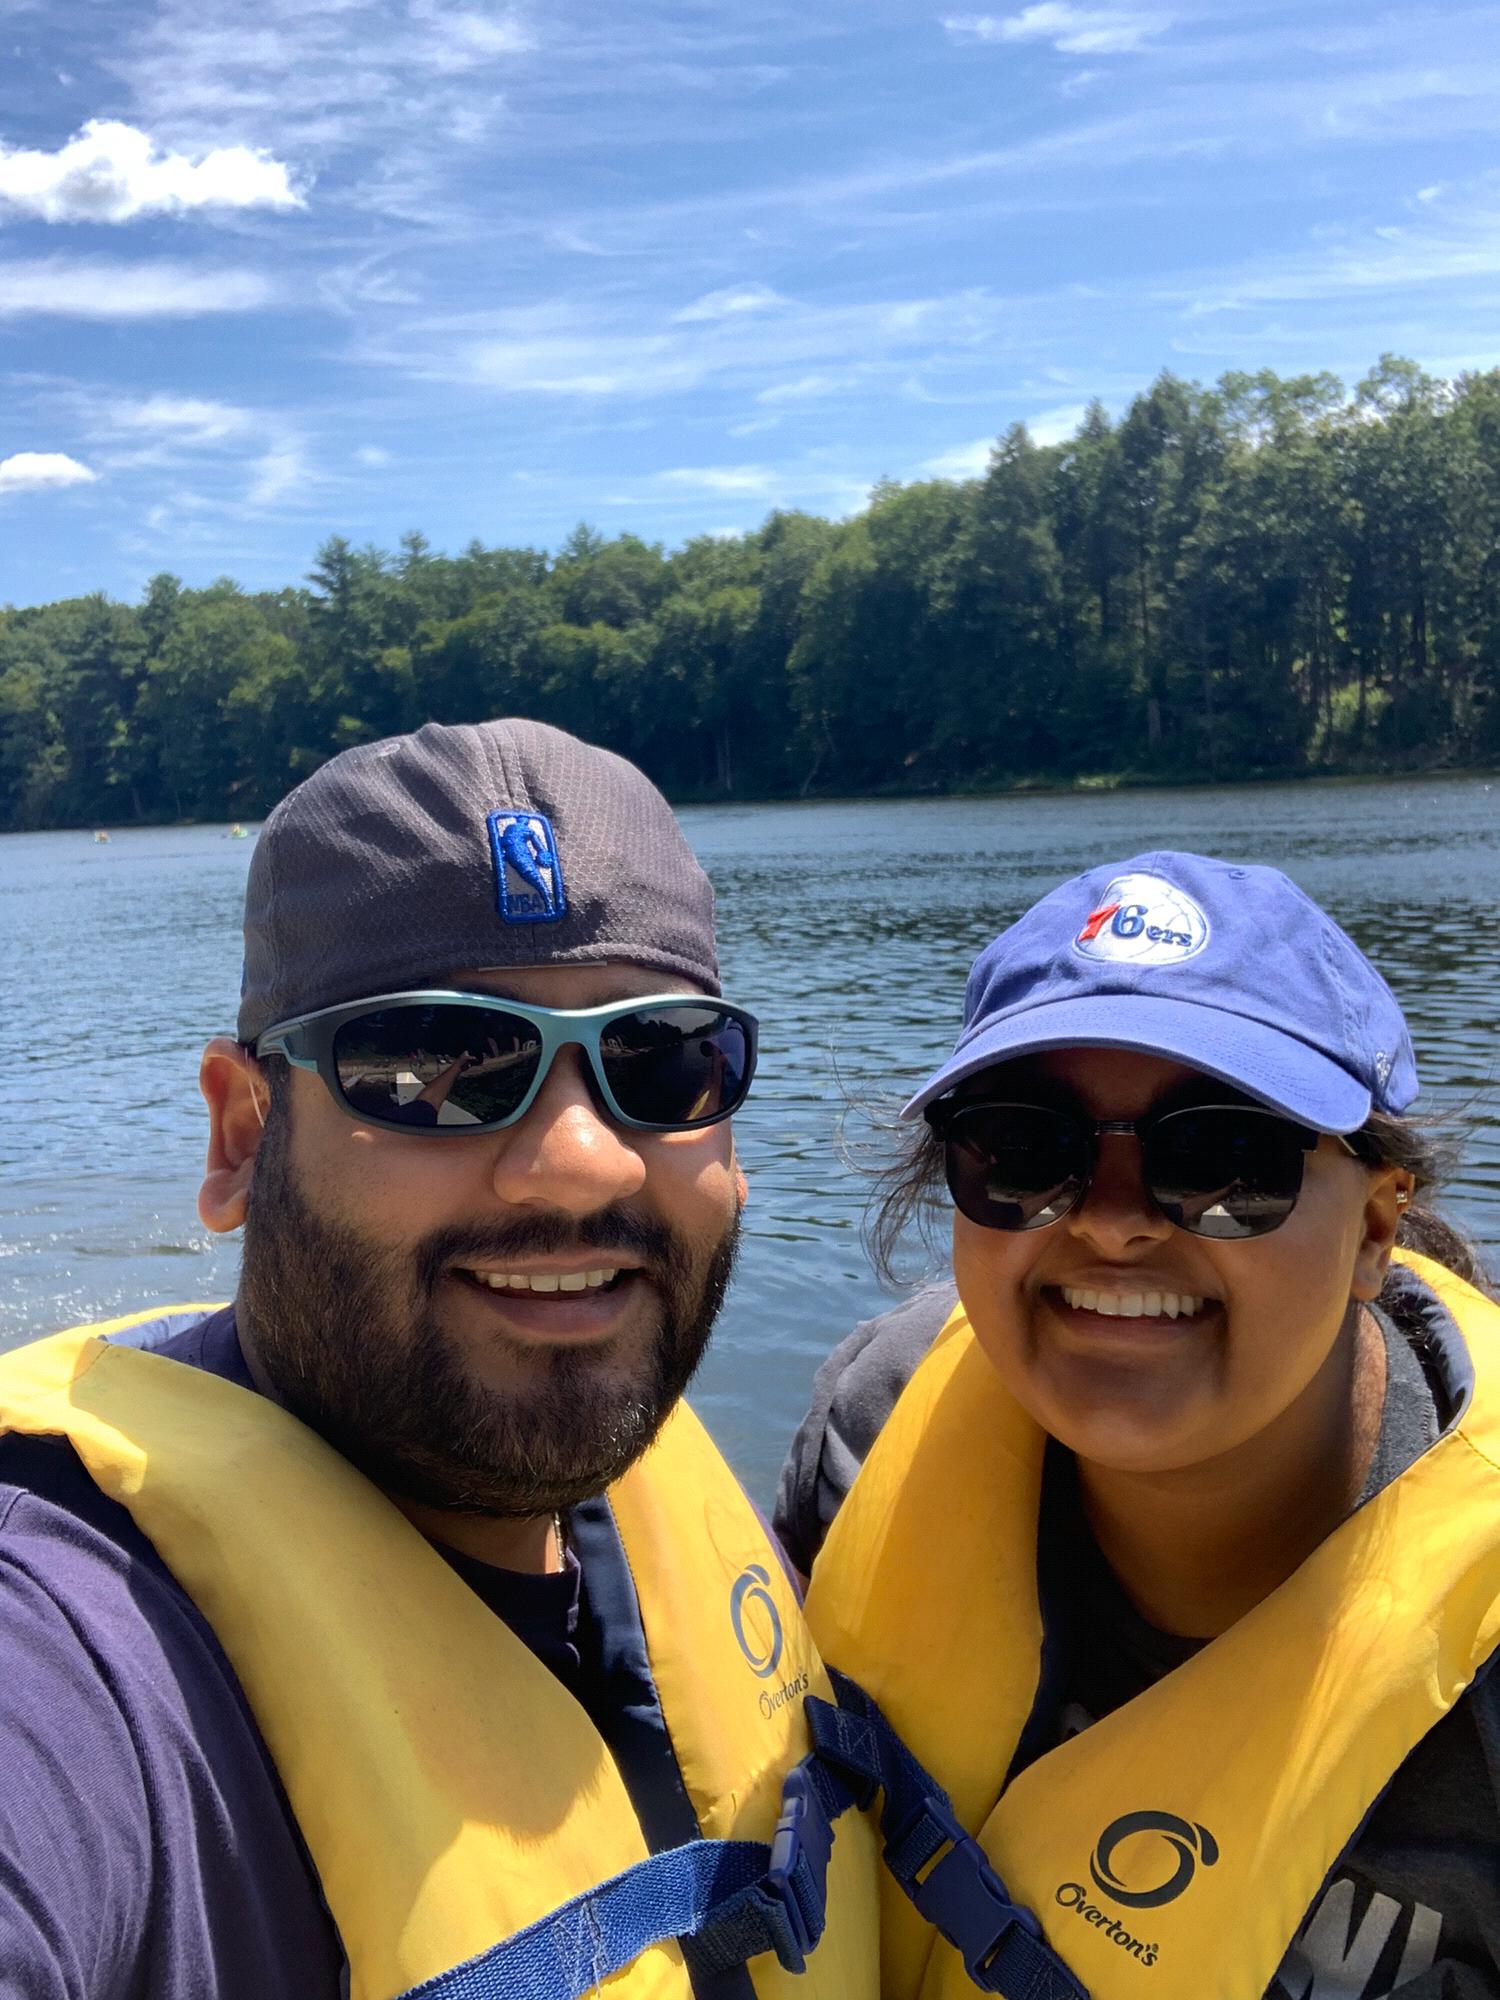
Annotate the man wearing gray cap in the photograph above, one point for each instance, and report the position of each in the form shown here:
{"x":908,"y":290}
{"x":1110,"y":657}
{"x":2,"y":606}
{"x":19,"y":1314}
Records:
{"x":397,"y":1629}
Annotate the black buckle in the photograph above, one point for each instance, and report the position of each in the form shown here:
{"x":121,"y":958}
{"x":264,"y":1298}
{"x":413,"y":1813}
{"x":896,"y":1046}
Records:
{"x":960,"y":1895}
{"x":795,"y":1886}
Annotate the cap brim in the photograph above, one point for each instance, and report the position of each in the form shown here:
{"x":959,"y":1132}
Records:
{"x":1274,"y":1068}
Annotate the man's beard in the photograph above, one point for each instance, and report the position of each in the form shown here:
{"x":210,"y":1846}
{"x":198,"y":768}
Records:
{"x":348,"y":1334}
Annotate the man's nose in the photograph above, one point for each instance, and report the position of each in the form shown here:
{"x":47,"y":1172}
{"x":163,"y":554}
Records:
{"x":566,"y":1153}
{"x":1117,"y":1213}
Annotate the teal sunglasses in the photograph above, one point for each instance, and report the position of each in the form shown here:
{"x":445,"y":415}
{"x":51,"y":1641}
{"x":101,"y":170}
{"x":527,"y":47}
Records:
{"x":468,"y":1062}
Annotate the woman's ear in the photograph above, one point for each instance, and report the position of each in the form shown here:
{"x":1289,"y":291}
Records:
{"x":1390,"y":1189}
{"x":238,"y":1096}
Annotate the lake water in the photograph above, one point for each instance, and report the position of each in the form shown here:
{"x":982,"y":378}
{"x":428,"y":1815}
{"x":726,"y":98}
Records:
{"x":847,"y":927}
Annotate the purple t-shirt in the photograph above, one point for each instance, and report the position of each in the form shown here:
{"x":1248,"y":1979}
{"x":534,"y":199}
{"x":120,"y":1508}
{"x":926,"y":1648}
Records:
{"x":147,"y":1850}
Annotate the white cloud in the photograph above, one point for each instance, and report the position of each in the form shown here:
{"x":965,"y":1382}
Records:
{"x":971,"y":461}
{"x":278,"y":472}
{"x":113,"y":173}
{"x":747,"y":481}
{"x":458,"y":38}
{"x":40,"y":471}
{"x":388,"y":100}
{"x":1072,"y":30}
{"x":191,"y":420}
{"x":963,"y":461}
{"x":803,"y":389}
{"x":578,"y":348}
{"x":1056,"y":426}
{"x":98,"y":289}
{"x":519,"y":368}
{"x":373,"y":454}
{"x":821,"y":479}
{"x":729,"y":303}
{"x":1444,"y":246}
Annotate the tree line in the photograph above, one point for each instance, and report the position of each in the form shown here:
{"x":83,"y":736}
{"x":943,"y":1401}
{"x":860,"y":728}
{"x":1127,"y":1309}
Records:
{"x":1270,"y":576}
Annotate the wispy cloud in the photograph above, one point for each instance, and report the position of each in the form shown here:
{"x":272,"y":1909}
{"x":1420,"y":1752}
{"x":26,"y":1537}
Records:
{"x":38,"y":471}
{"x":729,"y":304}
{"x":277,"y":473}
{"x":755,"y":481}
{"x":971,"y":461}
{"x":1448,"y":242}
{"x":187,"y":455}
{"x":832,"y":481}
{"x":805,"y":389}
{"x":579,"y":350}
{"x":104,"y":290}
{"x":1057,"y":426}
{"x":628,"y":249}
{"x":1072,"y":30}
{"x":461,"y":38}
{"x":386,"y":100}
{"x":113,"y":173}
{"x":188,"y":420}
{"x":963,"y":461}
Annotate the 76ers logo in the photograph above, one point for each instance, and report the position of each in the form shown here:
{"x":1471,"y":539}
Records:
{"x":1143,"y":920}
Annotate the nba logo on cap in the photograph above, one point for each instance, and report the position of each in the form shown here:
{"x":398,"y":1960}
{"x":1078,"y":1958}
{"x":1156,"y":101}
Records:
{"x":528,"y":874}
{"x":1143,"y":920}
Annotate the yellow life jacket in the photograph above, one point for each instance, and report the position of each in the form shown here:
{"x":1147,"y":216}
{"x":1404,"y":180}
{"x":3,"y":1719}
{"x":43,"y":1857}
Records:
{"x":449,"y":1789}
{"x":1173,"y":1848}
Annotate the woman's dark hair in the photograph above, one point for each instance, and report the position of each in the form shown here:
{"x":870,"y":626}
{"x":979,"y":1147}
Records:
{"x":1430,"y":1158}
{"x":910,"y":1193}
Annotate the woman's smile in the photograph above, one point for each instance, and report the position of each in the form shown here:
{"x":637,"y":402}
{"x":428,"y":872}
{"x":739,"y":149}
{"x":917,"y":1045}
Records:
{"x":1149,"y":1327}
{"x":1128,"y":1297}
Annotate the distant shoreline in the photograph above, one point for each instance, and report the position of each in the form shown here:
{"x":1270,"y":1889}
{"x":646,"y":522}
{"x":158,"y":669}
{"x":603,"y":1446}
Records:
{"x":1047,"y":785}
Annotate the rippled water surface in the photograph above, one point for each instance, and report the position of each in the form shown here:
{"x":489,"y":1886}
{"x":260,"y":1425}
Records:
{"x":847,"y":927}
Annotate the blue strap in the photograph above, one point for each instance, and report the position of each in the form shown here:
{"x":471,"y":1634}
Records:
{"x":941,"y":1867}
{"x":567,"y":1954}
{"x":727,"y":1901}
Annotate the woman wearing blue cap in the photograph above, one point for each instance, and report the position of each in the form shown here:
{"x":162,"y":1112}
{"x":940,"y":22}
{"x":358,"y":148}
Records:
{"x":1177,"y":1559}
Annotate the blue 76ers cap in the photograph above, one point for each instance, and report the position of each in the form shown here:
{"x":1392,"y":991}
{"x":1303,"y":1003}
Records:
{"x":1228,"y":968}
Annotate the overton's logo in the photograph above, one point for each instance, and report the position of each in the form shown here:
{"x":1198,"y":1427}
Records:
{"x":1188,"y":1846}
{"x":756,"y":1621}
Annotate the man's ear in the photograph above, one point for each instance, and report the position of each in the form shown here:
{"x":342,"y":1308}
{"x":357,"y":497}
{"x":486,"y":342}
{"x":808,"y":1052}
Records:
{"x":237,"y":1095}
{"x":1390,"y":1190}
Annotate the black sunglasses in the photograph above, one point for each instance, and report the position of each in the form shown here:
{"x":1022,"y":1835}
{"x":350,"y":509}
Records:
{"x":1220,"y":1170}
{"x":469,"y":1062}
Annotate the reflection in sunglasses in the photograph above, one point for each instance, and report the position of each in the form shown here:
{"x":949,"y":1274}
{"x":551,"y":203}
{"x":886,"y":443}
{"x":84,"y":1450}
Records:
{"x":662,"y":1066}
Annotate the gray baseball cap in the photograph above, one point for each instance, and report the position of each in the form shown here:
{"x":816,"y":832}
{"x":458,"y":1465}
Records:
{"x":480,"y":845}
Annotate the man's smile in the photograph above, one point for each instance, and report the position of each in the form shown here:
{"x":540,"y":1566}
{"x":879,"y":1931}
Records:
{"x":573,"y":1280}
{"x":552,"y":1301}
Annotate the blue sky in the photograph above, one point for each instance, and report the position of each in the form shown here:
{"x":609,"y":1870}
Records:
{"x":270,"y":271}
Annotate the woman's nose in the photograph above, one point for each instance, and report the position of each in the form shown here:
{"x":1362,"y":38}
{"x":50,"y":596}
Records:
{"x":1116,"y":1210}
